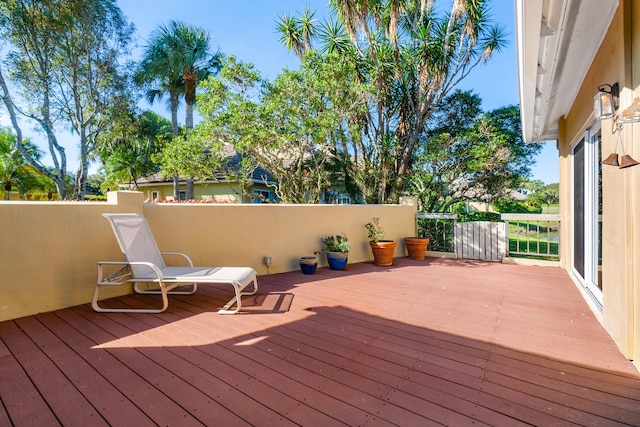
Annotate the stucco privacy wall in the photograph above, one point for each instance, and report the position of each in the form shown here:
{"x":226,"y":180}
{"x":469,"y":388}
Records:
{"x":230,"y":235}
{"x":614,"y":62}
{"x":49,"y":250}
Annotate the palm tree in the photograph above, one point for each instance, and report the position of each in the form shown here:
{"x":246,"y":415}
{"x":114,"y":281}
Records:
{"x":296,"y":33}
{"x":128,"y":152}
{"x":159,"y":75}
{"x":15,"y":173}
{"x":176,"y":58}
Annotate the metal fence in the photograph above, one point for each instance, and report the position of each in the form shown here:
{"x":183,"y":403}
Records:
{"x":534,"y":236}
{"x":438,"y":227}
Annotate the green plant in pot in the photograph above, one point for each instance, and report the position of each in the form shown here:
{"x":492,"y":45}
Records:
{"x":382,"y":249}
{"x":337,"y":249}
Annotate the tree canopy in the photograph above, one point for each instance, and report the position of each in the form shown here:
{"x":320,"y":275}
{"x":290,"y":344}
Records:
{"x":128,"y":148}
{"x":468,"y":154}
{"x":372,"y":112}
{"x":407,"y":56}
{"x":64,"y":63}
{"x":15,"y":173}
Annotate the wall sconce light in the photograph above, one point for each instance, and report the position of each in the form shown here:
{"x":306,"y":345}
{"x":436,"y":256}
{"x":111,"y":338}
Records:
{"x":605,"y":102}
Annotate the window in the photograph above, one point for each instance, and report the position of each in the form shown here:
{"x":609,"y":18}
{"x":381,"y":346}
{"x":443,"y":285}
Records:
{"x":262,"y":196}
{"x":343,"y":200}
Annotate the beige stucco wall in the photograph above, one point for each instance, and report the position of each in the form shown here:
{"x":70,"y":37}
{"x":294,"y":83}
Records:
{"x":244,"y":234}
{"x":49,"y":250}
{"x":620,"y":221}
{"x":633,"y":181}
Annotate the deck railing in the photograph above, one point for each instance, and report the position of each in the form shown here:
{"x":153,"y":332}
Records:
{"x":438,"y":227}
{"x":533,"y":235}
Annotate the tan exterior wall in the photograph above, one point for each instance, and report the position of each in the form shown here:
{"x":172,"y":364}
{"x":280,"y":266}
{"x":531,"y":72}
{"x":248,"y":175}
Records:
{"x":49,"y":250}
{"x":620,"y":221}
{"x":633,"y":181}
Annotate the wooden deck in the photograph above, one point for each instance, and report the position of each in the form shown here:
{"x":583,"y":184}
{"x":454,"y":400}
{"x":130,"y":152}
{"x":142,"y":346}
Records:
{"x":435,"y":342}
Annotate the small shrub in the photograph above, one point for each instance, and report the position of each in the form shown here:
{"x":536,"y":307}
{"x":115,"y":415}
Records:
{"x":337,"y":243}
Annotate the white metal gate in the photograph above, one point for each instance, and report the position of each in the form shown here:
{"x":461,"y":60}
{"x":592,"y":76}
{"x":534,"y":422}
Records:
{"x":480,"y":240}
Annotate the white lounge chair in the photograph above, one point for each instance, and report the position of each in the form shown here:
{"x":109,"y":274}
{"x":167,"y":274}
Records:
{"x":144,"y":263}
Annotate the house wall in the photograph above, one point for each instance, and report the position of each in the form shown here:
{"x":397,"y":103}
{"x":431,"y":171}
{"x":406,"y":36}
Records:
{"x":614,"y":62}
{"x":219,"y":191}
{"x":49,"y":250}
{"x":224,"y":192}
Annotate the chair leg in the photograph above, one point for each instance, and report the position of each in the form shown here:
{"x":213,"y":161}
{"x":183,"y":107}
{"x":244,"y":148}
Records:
{"x":237,"y":299}
{"x":255,"y":287}
{"x":97,"y":308}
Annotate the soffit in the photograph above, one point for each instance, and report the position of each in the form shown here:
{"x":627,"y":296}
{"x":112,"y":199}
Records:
{"x":557,"y":41}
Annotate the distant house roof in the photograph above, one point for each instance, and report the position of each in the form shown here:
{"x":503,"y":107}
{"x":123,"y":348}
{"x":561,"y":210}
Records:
{"x":233,"y":161}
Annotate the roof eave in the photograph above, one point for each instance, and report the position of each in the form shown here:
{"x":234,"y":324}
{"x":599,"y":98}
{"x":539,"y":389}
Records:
{"x":557,"y":41}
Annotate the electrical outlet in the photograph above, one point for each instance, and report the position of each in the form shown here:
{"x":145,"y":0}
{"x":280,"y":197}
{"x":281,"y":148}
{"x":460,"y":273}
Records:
{"x":267,"y":260}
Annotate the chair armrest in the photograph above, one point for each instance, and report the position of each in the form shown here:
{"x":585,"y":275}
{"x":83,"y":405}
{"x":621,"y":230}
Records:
{"x":123,"y":274}
{"x":185,"y":256}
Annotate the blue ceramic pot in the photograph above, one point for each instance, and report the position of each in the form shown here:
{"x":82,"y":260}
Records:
{"x":337,"y":260}
{"x":308,"y":264}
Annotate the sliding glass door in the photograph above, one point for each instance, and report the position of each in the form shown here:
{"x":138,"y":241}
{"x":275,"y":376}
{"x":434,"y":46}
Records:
{"x":587,"y":211}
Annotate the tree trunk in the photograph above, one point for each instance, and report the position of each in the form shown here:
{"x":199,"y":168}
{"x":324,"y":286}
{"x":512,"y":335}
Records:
{"x":188,"y":120}
{"x":190,"y":195}
{"x":190,"y":82}
{"x":176,"y":188}
{"x":175,"y":131}
{"x":82,"y":173}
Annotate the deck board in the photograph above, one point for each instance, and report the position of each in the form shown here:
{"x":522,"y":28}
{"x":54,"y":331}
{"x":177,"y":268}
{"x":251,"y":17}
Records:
{"x":20,"y":397}
{"x":434,"y":342}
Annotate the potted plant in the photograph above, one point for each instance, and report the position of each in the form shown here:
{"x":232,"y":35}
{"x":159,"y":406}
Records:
{"x":308,"y":264}
{"x":382,"y":249}
{"x":337,"y":250}
{"x":416,"y":247}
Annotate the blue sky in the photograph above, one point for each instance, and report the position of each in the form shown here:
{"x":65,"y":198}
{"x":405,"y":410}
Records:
{"x":246,"y":29}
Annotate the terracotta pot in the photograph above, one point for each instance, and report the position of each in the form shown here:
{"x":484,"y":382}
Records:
{"x":383,"y":252}
{"x":416,"y":247}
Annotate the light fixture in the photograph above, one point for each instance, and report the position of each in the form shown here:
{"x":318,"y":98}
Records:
{"x":605,"y":102}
